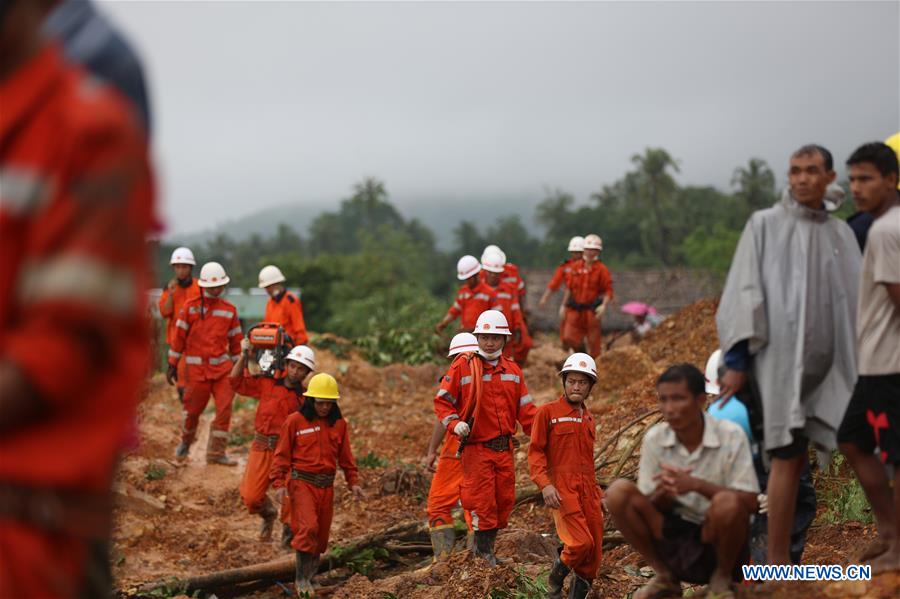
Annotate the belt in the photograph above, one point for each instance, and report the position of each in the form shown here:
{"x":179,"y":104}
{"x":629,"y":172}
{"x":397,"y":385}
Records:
{"x":500,"y":443}
{"x":582,"y":307}
{"x":78,"y":514}
{"x":266,"y":441}
{"x":320,"y":480}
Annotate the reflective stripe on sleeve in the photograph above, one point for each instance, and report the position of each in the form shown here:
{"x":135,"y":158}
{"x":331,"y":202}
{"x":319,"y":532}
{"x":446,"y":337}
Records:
{"x":181,"y":324}
{"x":223,"y":313}
{"x":510,"y":377}
{"x":195,"y":360}
{"x":81,"y":279}
{"x":234,"y":331}
{"x":446,"y":421}
{"x":447,"y":394}
{"x":174,"y":354}
{"x":220,"y":360}
{"x":524,"y":400}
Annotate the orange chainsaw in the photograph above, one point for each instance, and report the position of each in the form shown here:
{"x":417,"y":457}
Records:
{"x":271,"y":344}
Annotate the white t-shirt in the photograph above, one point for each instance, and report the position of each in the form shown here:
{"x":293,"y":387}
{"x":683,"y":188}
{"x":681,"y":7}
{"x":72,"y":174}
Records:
{"x":878,"y":320}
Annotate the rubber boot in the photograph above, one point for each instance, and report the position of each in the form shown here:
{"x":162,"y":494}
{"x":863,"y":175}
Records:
{"x":268,"y":513}
{"x":484,"y":545}
{"x":470,"y":541}
{"x":215,"y":449}
{"x":287,"y":535}
{"x":306,"y":562}
{"x":579,"y":587}
{"x":442,"y":540}
{"x":556,"y":578}
{"x":187,"y":439}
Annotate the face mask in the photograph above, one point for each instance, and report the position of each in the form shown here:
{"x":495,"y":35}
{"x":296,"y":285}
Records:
{"x":492,"y":356}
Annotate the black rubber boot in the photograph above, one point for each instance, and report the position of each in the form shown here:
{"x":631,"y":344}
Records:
{"x":579,"y":587}
{"x":484,"y":545}
{"x":556,"y":578}
{"x":442,"y":540}
{"x":287,"y":535}
{"x":303,"y":573}
{"x":268,"y":513}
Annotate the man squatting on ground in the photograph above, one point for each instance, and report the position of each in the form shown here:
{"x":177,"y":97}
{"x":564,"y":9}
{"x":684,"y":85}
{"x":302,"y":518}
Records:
{"x":480,"y":400}
{"x":561,"y":462}
{"x":689,"y":513}
{"x":279,"y":397}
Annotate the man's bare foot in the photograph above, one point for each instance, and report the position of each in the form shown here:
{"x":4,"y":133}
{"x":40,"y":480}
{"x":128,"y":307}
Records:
{"x":875,"y":548}
{"x":659,"y":587}
{"x":887,"y":561}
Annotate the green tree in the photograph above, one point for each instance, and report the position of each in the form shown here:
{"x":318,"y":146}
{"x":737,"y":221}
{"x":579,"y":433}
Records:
{"x":653,"y":188}
{"x":755,"y":185}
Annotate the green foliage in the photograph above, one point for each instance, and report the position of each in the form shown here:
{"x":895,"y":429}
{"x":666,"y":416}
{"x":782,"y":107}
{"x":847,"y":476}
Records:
{"x":525,"y":588}
{"x":711,"y":250}
{"x":845,"y":501}
{"x":154,"y":472}
{"x":363,"y":561}
{"x":371,"y":460}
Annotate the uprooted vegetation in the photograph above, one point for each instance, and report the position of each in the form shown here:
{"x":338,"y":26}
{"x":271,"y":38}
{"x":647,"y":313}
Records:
{"x":181,"y":528}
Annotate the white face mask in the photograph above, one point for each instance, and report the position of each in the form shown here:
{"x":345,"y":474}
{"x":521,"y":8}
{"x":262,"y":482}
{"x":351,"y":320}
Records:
{"x":492,"y":356}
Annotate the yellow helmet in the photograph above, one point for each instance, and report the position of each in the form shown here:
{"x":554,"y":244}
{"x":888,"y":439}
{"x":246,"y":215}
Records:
{"x":322,"y":386}
{"x":894,"y":142}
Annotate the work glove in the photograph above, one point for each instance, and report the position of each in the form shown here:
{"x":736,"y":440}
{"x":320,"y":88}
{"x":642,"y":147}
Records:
{"x":171,"y":374}
{"x":461,"y":430}
{"x":246,"y":345}
{"x":763,"y":501}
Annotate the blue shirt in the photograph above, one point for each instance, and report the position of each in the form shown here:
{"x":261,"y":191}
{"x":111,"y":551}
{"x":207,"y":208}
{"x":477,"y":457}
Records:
{"x":735,"y":411}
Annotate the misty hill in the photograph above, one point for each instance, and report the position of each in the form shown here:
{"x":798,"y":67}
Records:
{"x":440,"y":214}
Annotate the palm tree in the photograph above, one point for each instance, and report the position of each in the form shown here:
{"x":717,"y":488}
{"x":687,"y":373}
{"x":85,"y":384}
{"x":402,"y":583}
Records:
{"x":755,"y":184}
{"x":654,"y":187}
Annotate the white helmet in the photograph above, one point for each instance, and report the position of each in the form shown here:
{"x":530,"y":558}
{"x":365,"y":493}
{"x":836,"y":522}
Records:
{"x":493,"y":259}
{"x":593,"y":242}
{"x":213,"y":275}
{"x":303,"y":354}
{"x":580,"y":363}
{"x":712,"y":372}
{"x":466,"y":267}
{"x":183,"y":255}
{"x":576,"y":244}
{"x":492,"y":322}
{"x":269,"y":275}
{"x":462,"y":342}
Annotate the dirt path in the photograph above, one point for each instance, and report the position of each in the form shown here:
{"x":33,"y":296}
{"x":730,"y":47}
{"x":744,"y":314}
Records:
{"x":180,"y":519}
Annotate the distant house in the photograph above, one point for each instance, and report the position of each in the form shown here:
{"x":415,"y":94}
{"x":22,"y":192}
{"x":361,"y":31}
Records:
{"x":250,"y":304}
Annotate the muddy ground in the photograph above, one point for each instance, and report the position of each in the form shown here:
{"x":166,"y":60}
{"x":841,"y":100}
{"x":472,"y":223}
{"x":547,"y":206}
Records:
{"x":178,"y":520}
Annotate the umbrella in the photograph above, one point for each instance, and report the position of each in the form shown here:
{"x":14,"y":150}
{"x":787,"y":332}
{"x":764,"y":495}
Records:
{"x":638,"y":309}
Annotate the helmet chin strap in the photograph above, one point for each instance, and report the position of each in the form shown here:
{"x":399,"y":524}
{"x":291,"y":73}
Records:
{"x":490,"y":356}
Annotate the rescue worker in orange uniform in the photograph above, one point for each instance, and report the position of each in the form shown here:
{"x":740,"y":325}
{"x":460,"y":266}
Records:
{"x":480,"y":401}
{"x":589,"y":292}
{"x":443,"y":495}
{"x":493,"y":261}
{"x":313,"y":442}
{"x":278,"y":399}
{"x":208,"y":335}
{"x":473,"y":298}
{"x":511,"y":275}
{"x":561,"y":276}
{"x":561,"y":463}
{"x":76,"y":207}
{"x":180,"y":289}
{"x":283,"y":306}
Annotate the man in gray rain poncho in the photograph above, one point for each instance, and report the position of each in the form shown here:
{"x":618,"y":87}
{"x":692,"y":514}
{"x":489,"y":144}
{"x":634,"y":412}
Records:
{"x":787,"y":320}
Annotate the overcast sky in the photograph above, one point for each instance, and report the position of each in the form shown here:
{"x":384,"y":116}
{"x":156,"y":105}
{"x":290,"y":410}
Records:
{"x":258,"y":104}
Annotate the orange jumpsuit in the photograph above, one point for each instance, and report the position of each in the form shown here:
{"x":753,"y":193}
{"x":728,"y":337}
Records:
{"x":560,"y":276}
{"x":288,"y":312}
{"x":76,"y":205}
{"x":562,"y":454}
{"x":489,"y":478}
{"x":208,"y":335}
{"x":508,"y":303}
{"x":276,"y":403}
{"x":179,"y":297}
{"x":588,"y":285}
{"x":312,"y":447}
{"x":444,"y":493}
{"x":470,"y":303}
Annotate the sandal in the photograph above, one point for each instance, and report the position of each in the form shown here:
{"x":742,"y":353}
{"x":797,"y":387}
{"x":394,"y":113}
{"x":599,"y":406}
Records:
{"x":658,"y":588}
